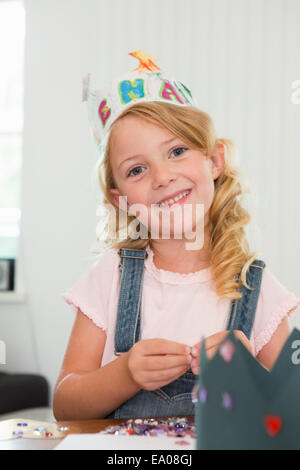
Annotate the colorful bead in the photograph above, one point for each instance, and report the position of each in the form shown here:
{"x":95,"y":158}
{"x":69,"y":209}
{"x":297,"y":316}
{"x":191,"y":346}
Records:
{"x":159,"y":431}
{"x":130,"y":431}
{"x":18,"y":433}
{"x":22,"y":424}
{"x":171,"y":427}
{"x":63,"y":428}
{"x":40,"y":430}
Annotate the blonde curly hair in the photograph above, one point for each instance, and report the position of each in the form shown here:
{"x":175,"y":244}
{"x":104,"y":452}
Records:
{"x":230,"y":255}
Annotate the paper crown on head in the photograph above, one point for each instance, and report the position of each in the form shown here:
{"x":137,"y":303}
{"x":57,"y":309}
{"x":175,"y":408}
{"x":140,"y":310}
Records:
{"x":242,"y":405}
{"x":144,"y":83}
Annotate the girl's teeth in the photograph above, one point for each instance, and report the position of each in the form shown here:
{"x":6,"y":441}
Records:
{"x":171,"y":201}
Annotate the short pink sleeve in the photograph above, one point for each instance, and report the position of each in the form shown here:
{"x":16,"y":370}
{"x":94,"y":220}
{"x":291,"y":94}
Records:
{"x":274,"y":303}
{"x":91,"y":291}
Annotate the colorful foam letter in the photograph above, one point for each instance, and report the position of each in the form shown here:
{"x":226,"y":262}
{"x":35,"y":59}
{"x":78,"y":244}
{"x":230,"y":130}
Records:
{"x":104,"y":112}
{"x":131,"y":90}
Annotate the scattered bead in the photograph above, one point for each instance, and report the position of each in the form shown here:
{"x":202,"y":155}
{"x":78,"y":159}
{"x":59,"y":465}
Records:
{"x":40,"y":431}
{"x":130,"y":431}
{"x":171,"y":427}
{"x":63,"y":428}
{"x":159,"y":431}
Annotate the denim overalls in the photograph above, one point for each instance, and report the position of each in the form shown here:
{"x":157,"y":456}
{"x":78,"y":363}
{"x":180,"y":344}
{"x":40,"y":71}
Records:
{"x":174,"y":399}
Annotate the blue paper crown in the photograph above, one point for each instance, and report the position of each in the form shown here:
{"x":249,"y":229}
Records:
{"x":242,"y":405}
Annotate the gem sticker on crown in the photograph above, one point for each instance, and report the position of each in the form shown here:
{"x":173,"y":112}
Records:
{"x":203,"y":395}
{"x":227,"y":350}
{"x":273,"y":424}
{"x":199,"y":394}
{"x":227,"y":401}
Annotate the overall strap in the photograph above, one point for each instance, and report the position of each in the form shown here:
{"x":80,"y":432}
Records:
{"x":243,"y":310}
{"x":127,"y":331}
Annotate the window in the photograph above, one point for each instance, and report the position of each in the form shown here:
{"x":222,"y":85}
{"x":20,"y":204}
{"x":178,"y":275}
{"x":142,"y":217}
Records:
{"x":12,"y":38}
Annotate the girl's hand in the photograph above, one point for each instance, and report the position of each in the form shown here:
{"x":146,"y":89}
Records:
{"x":153,"y":363}
{"x":212,"y":344}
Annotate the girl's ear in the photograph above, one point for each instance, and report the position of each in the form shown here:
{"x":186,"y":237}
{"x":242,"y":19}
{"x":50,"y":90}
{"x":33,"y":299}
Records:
{"x":218,"y":160}
{"x":120,"y":203}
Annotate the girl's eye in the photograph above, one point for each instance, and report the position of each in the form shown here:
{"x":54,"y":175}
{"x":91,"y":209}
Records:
{"x":137,"y":167}
{"x":133,"y":169}
{"x":179,"y":148}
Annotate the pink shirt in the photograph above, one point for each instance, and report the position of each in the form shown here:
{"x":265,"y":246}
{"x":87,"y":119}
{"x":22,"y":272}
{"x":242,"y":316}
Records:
{"x":175,"y":306}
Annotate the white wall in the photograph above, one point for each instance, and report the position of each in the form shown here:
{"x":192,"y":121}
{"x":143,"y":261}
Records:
{"x":239,"y":58}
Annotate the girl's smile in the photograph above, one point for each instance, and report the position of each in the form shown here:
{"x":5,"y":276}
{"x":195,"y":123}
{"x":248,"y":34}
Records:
{"x":179,"y":198}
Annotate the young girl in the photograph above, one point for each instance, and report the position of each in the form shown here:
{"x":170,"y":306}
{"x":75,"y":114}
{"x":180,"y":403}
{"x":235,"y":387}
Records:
{"x":144,"y":305}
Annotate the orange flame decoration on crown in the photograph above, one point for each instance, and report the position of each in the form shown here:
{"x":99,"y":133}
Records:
{"x":146,"y":61}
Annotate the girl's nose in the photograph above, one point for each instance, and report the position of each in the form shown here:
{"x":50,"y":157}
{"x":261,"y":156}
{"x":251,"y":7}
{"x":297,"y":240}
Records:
{"x":162,"y":174}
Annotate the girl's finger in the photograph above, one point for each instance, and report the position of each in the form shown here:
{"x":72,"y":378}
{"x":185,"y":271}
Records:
{"x":213,"y":341}
{"x":194,"y":363}
{"x":164,"y":379}
{"x":195,"y":350}
{"x":160,"y":346}
{"x":212,"y":351}
{"x":169,"y":361}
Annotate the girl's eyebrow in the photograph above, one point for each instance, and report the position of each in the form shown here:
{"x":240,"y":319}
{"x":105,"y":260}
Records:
{"x":141,"y":155}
